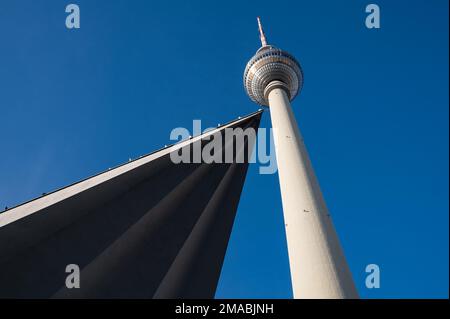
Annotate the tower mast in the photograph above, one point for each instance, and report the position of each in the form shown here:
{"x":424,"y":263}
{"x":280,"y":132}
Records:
{"x":262,"y":36}
{"x":318,"y":267}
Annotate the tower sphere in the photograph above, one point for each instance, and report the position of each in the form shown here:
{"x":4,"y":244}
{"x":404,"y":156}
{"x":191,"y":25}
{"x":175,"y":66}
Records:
{"x":271,"y":64}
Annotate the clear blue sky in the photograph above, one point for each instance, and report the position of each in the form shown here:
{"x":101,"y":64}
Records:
{"x":373,"y":111}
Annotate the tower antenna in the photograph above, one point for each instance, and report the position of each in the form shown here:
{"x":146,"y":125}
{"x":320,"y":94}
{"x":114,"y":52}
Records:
{"x":262,"y":36}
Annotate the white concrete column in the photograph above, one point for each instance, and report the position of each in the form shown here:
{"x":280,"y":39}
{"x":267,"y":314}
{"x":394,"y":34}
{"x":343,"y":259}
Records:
{"x":317,"y":263}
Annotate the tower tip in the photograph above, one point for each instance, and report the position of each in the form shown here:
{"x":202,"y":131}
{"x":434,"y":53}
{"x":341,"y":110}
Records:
{"x":262,"y":36}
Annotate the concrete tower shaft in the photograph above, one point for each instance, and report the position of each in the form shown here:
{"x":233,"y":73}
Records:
{"x":317,"y":262}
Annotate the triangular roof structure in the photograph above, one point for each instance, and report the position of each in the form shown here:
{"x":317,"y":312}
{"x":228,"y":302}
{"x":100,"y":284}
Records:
{"x":149,"y":228}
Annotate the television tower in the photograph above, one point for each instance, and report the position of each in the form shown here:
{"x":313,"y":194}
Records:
{"x":318,"y":267}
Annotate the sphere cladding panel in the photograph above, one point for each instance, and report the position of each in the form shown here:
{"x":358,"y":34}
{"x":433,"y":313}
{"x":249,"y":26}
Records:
{"x":271,"y":64}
